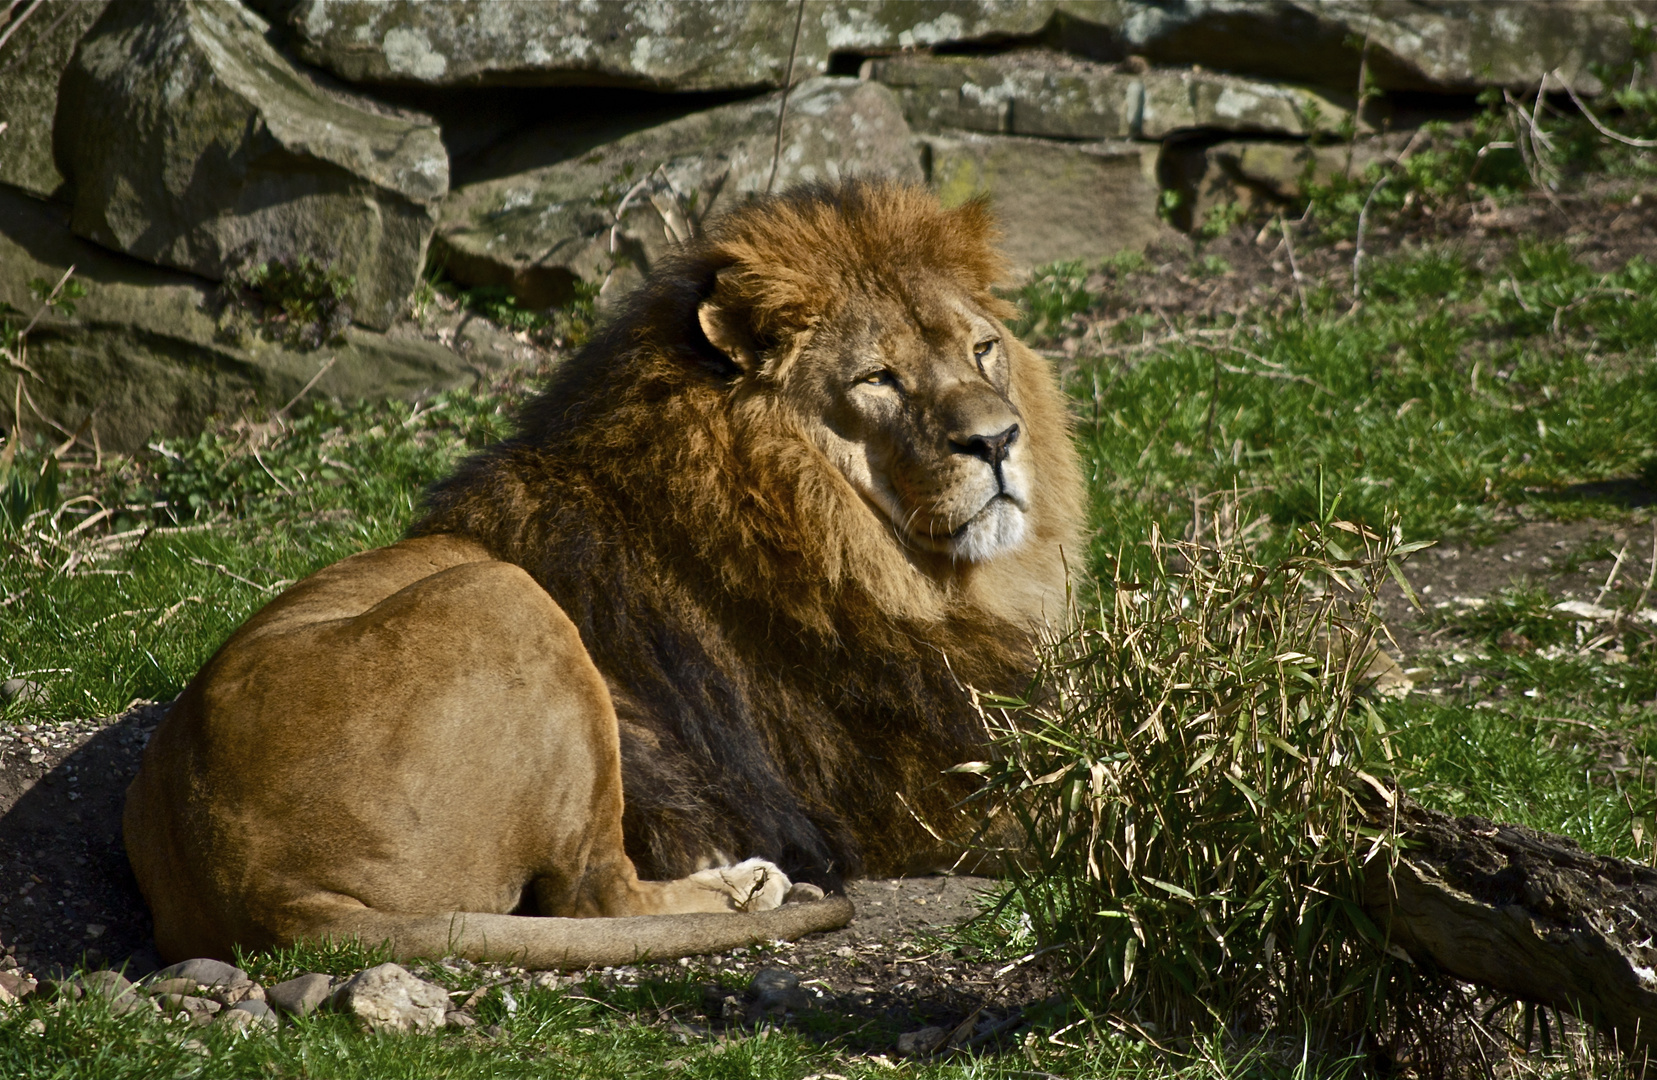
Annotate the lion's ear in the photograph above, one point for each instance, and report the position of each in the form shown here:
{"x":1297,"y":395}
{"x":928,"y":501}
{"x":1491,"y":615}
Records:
{"x":729,"y":333}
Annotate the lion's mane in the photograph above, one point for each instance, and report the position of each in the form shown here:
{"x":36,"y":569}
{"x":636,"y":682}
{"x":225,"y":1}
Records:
{"x":788,"y":680}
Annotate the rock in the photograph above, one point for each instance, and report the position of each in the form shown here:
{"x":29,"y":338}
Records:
{"x":192,"y":143}
{"x":105,"y":984}
{"x":30,"y":64}
{"x":245,"y":1015}
{"x":163,"y":987}
{"x":547,"y":220}
{"x":457,"y":1019}
{"x":14,"y":987}
{"x":203,"y":972}
{"x":1438,"y":45}
{"x":922,"y":1042}
{"x":301,"y":996}
{"x":237,"y":992}
{"x":142,"y":354}
{"x":777,"y":991}
{"x":1056,"y":96}
{"x":21,"y":692}
{"x":389,"y":998}
{"x":200,"y":1010}
{"x":1254,"y":172}
{"x":1053,"y":200}
{"x":651,"y":44}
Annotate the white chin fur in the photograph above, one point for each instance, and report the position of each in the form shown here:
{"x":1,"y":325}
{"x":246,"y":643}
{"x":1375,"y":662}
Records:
{"x":999,"y":528}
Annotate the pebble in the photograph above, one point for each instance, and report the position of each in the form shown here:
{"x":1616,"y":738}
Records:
{"x":199,"y":1010}
{"x":205,"y":972}
{"x":389,"y":998}
{"x":922,"y":1042}
{"x":21,"y":692}
{"x":777,"y":991}
{"x":245,"y":1015}
{"x":300,"y":996}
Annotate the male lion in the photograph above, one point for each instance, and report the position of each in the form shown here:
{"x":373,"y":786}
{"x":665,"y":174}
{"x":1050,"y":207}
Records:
{"x":719,"y":596}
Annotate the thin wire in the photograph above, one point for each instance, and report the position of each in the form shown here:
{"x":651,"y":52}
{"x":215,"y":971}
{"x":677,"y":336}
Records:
{"x":787,"y":85}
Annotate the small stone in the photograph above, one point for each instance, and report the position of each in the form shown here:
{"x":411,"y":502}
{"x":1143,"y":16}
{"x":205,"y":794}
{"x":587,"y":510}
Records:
{"x":301,"y":996}
{"x":457,"y":1019}
{"x":95,"y":930}
{"x":248,"y":1015}
{"x":204,"y":971}
{"x":200,"y":1010}
{"x":922,"y":1042}
{"x":494,"y":1031}
{"x":105,"y":984}
{"x":777,"y":991}
{"x":545,"y":980}
{"x":66,"y":989}
{"x":15,"y":987}
{"x":388,"y":998}
{"x":21,"y":692}
{"x":236,"y":992}
{"x":172,"y":986}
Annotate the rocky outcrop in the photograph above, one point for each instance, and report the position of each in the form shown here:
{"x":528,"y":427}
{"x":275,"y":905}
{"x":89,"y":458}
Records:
{"x":592,"y":201}
{"x":674,"y":45}
{"x":31,"y":61}
{"x":143,"y":353}
{"x":1054,"y":200}
{"x":1056,"y":96}
{"x":192,"y":143}
{"x":1431,"y":45}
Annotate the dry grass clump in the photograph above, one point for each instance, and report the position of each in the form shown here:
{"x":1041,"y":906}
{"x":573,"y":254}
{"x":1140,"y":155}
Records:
{"x":1191,"y":776}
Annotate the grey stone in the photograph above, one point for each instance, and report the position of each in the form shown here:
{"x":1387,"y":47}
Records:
{"x":654,"y":44}
{"x":777,"y":991}
{"x":30,"y":64}
{"x":236,"y":992}
{"x":200,"y":1010}
{"x":550,"y":218}
{"x":191,"y":142}
{"x":204,"y":972}
{"x":21,"y":692}
{"x":457,"y":1019}
{"x":1054,"y":200}
{"x":1055,"y":96}
{"x":389,"y":998}
{"x":248,"y":1014}
{"x":1436,"y":45}
{"x":300,"y":996}
{"x":106,"y":984}
{"x":143,"y":354}
{"x":922,"y":1042}
{"x":162,"y":987}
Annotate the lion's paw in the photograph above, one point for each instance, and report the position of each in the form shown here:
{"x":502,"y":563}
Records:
{"x":753,"y":885}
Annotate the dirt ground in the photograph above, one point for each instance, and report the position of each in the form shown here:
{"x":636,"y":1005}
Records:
{"x":67,"y":896}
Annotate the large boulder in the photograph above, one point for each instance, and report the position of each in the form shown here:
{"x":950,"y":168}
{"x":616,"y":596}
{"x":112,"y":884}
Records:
{"x":1049,"y":94}
{"x":587,"y":200}
{"x":30,"y":62}
{"x":1433,"y":45}
{"x":651,"y":44}
{"x":143,"y":353}
{"x":191,"y":142}
{"x":1054,"y":200}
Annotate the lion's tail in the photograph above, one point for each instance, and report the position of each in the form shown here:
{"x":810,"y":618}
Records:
{"x":543,"y":943}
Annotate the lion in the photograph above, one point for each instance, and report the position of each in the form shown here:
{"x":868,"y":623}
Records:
{"x":722,"y":594}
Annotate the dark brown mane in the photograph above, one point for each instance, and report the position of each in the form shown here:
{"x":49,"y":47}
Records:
{"x":775,"y":693}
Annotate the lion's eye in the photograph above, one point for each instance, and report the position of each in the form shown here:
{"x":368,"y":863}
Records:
{"x":982,"y":350}
{"x":882,"y":377}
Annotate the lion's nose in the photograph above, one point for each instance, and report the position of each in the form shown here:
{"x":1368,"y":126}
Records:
{"x":991,"y":449}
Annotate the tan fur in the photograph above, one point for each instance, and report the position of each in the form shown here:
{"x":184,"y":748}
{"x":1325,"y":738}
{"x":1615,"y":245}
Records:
{"x":739,"y":559}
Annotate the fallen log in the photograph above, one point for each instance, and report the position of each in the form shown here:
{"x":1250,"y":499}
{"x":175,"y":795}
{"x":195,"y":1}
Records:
{"x":1527,"y":914}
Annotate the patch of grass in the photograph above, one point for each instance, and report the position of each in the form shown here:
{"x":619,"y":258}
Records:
{"x":301,"y":300}
{"x":1188,"y":780}
{"x":183,"y":543}
{"x":1441,"y":395}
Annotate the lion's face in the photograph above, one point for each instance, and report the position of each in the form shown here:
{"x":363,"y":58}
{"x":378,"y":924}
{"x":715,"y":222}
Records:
{"x":911,"y":399}
{"x":917,"y":413}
